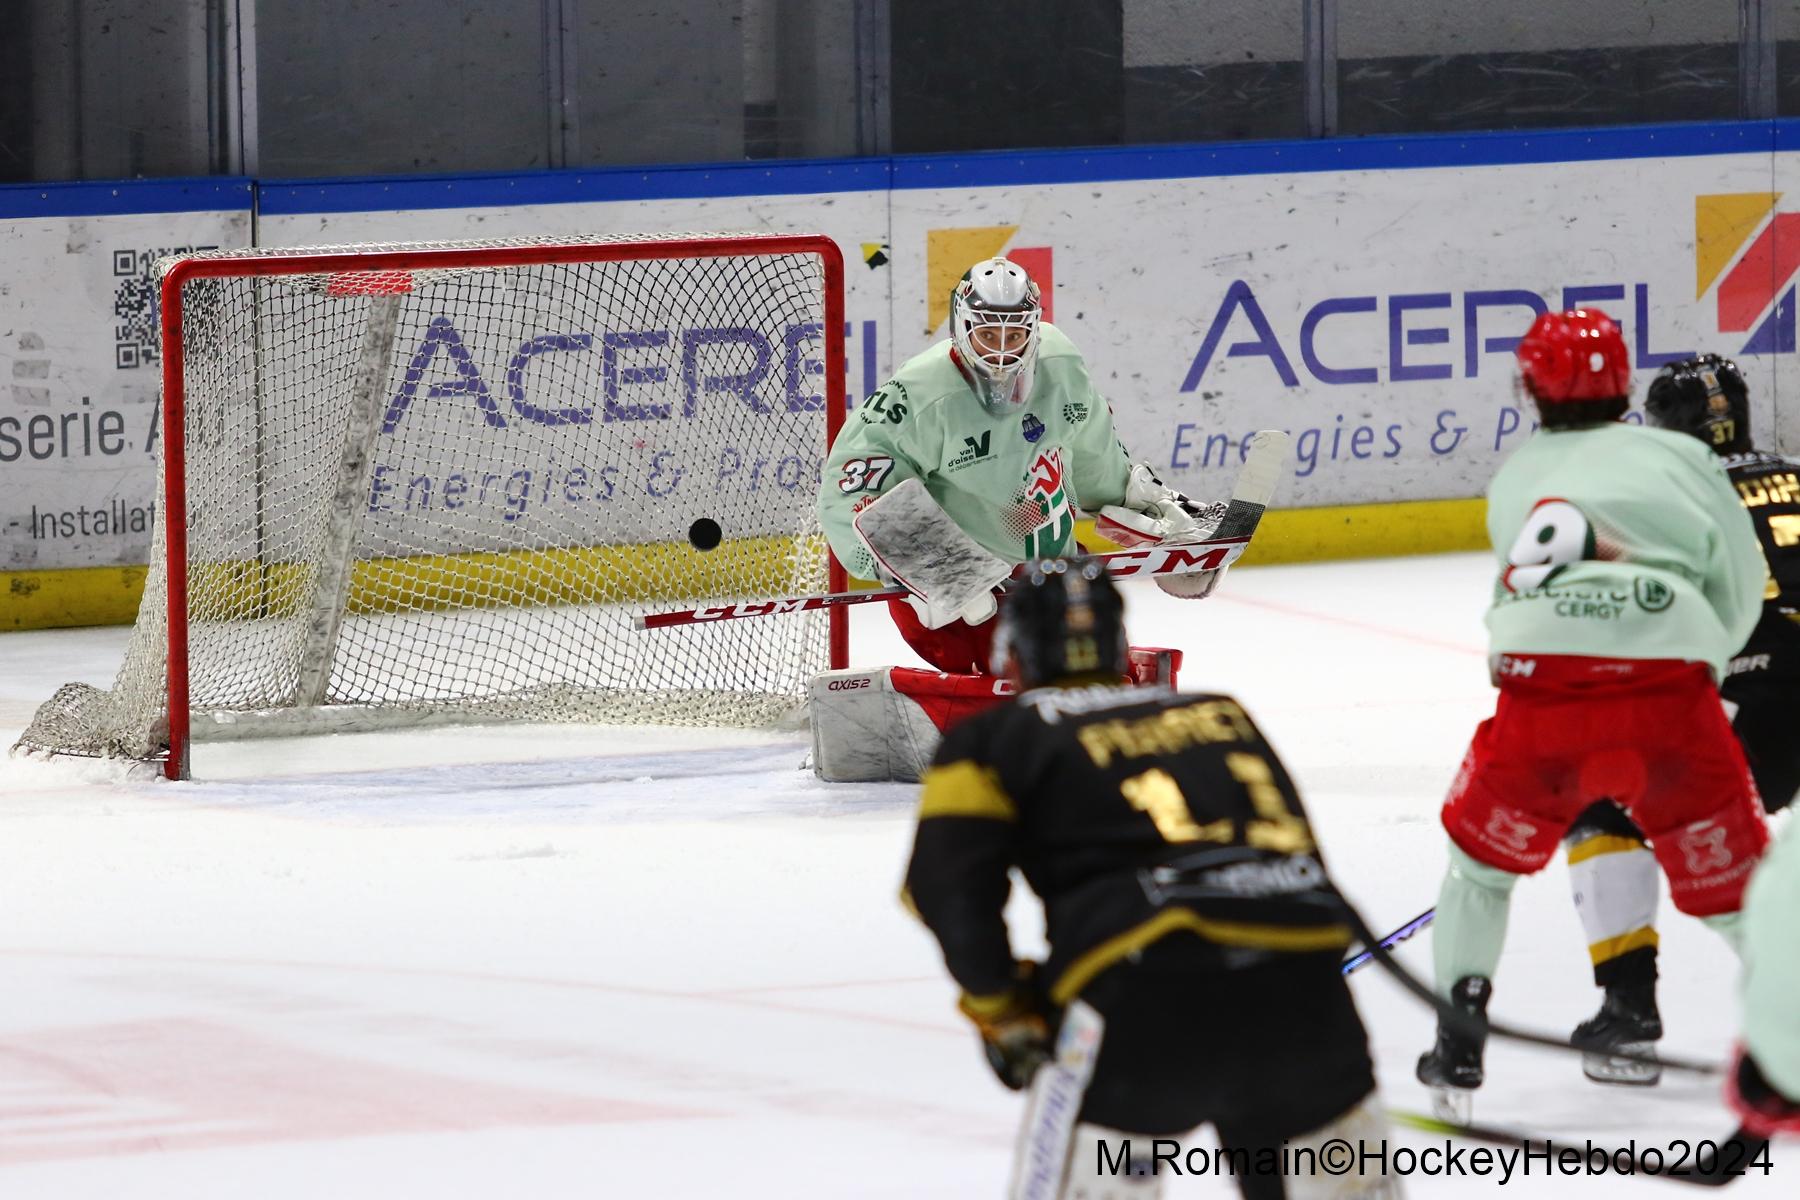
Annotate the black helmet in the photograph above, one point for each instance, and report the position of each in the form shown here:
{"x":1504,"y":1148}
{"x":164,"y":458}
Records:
{"x":1705,"y":397}
{"x":1063,"y":620}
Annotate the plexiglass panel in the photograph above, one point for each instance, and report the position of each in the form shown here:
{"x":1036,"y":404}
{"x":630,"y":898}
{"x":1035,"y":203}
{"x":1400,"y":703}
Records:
{"x":1227,"y":70}
{"x":111,"y":89}
{"x":1405,"y":67}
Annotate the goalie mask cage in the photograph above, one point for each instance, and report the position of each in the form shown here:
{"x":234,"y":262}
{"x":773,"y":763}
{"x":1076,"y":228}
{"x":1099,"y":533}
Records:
{"x":401,"y":484}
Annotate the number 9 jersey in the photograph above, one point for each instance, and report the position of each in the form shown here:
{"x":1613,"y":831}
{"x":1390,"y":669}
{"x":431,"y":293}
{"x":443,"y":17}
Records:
{"x":1622,"y":542}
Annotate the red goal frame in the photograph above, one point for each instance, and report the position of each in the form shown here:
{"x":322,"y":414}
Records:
{"x":174,"y":397}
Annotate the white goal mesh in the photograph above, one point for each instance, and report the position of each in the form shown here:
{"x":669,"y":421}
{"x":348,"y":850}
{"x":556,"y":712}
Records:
{"x":437,"y":481}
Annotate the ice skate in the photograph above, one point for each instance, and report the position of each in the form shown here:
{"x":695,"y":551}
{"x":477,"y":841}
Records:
{"x":1627,"y":1021}
{"x":1452,"y":1068}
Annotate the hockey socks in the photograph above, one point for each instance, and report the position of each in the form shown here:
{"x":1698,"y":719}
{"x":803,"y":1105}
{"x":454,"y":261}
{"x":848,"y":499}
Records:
{"x":1470,"y":927}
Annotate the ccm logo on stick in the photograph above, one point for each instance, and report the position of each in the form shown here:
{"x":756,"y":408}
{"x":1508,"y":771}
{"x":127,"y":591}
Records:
{"x":757,"y":608}
{"x":1165,"y":559}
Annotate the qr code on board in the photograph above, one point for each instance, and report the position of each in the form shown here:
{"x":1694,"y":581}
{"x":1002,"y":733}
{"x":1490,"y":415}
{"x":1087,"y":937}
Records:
{"x":135,"y":309}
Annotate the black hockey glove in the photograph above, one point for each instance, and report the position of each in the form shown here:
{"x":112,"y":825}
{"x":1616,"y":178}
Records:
{"x":1015,"y":1027}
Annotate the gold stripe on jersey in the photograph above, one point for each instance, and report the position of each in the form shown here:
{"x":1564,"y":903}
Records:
{"x":1286,"y":938}
{"x":1602,"y":843}
{"x":1610,"y":948}
{"x":965,"y":789}
{"x":1167,"y":732}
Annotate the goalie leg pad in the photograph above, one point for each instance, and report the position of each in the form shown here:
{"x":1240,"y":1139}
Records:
{"x":885,"y":724}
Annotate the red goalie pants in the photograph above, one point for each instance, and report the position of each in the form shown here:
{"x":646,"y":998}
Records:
{"x":959,"y":648}
{"x":1649,"y":735}
{"x":963,"y":649}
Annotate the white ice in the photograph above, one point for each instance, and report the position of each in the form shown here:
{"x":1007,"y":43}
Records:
{"x":604,"y":963}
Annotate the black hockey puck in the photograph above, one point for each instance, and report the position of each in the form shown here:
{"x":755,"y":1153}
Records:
{"x":704,"y":534}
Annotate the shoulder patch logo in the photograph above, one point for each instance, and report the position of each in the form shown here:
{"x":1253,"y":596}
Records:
{"x":882,"y":405}
{"x":1075,"y":412}
{"x":1032,"y":428}
{"x":1652,"y":595}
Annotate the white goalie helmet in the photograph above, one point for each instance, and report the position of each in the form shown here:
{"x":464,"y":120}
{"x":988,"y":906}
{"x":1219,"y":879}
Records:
{"x":994,"y":314}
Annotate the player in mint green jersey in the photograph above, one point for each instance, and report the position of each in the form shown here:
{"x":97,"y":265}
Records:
{"x":1004,"y":428}
{"x":1628,"y":575}
{"x":1765,"y":1085}
{"x":1611,"y":869}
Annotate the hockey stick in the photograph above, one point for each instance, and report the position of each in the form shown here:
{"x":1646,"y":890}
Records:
{"x":1625,"y":1160}
{"x":1041,"y":1157}
{"x":1363,"y":957}
{"x":1254,"y":487}
{"x":1474,"y":1026}
{"x":1180,"y":559}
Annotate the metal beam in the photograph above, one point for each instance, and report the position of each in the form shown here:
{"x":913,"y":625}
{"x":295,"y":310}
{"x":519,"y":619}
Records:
{"x":874,"y":78}
{"x":560,"y":79}
{"x":1319,"y":69}
{"x":1756,"y":60}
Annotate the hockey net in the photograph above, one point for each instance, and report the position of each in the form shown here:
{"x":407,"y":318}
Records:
{"x":429,"y":482}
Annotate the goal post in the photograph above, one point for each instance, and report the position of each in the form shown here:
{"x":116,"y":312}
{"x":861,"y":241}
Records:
{"x":416,"y":483}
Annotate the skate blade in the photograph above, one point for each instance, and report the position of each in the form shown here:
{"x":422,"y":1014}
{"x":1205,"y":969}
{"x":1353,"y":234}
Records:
{"x":1454,"y":1105}
{"x":1604,"y":1068}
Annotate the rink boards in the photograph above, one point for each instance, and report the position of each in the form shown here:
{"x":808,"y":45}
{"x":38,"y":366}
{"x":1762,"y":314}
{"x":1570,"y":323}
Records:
{"x":1362,"y":294}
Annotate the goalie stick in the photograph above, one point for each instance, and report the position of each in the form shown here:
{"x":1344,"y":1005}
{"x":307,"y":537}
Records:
{"x":1182,"y":558}
{"x":1722,"y":1170}
{"x":1250,"y":496}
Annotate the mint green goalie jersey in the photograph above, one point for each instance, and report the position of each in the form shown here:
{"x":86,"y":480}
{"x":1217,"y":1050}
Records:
{"x":1011,"y":482}
{"x":1616,"y":541}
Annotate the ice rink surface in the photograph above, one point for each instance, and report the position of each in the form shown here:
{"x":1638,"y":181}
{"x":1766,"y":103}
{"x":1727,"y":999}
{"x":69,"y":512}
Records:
{"x":619,"y":963}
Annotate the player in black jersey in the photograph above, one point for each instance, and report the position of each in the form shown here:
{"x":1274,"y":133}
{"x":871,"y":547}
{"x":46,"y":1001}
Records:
{"x":1707,"y":397}
{"x":1195,"y":939}
{"x":1611,"y":869}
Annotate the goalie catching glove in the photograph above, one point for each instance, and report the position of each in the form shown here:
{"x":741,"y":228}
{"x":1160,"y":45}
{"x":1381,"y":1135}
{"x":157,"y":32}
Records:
{"x":1153,"y":513}
{"x":1014,"y":1026}
{"x":937,"y":613}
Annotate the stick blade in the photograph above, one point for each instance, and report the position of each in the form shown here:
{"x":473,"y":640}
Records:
{"x":1256,"y":483}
